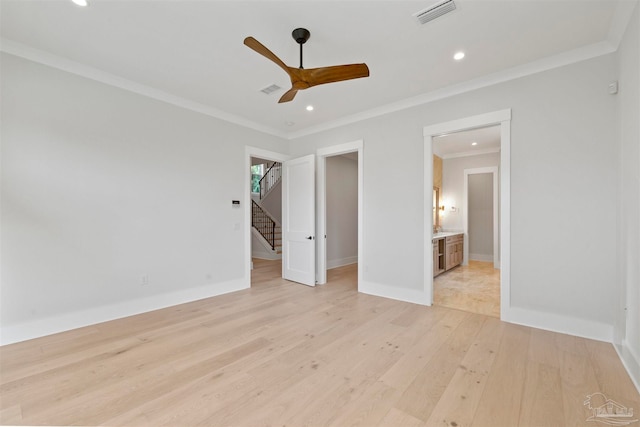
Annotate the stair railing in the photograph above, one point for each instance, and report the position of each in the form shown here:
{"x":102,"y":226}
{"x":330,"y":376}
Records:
{"x":262,"y":222}
{"x":270,"y":178}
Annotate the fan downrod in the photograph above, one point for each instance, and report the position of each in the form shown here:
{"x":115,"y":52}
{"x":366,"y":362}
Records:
{"x":301,"y":35}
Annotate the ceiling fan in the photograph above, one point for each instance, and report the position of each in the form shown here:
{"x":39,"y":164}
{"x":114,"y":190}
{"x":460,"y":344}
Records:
{"x":305,"y":78}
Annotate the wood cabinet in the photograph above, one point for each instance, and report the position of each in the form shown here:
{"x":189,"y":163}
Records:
{"x":447,"y":253}
{"x":454,"y":250}
{"x":438,"y":256}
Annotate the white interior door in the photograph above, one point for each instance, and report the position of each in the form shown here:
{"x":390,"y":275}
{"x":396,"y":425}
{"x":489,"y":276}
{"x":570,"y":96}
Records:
{"x":299,"y":220}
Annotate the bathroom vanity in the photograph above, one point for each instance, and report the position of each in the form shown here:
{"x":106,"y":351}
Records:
{"x":448,"y":248}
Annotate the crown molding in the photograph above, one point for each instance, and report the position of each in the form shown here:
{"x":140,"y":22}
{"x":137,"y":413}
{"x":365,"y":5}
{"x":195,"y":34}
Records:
{"x":581,"y":54}
{"x":621,"y":18}
{"x":548,"y":63}
{"x":35,"y":55}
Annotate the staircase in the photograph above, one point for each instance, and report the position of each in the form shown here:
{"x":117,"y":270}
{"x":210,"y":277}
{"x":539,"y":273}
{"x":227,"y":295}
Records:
{"x":264,"y":223}
{"x":270,"y":178}
{"x":267,"y":227}
{"x":278,"y":240}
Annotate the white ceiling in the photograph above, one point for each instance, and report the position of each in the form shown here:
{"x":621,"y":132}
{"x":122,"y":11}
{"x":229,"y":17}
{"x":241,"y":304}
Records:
{"x":191,"y":52}
{"x":460,"y":143}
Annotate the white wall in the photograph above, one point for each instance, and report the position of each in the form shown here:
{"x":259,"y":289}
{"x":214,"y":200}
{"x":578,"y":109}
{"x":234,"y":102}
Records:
{"x":627,"y":337}
{"x":562,"y":131}
{"x":272,"y":202}
{"x":453,"y":185}
{"x":480,"y":216}
{"x":342,"y":210}
{"x":100,"y":187}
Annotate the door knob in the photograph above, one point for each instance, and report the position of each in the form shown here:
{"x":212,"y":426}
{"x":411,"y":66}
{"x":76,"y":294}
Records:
{"x":310,"y":238}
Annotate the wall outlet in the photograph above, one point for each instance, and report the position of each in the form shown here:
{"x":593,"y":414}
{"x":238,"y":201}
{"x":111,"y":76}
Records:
{"x":144,"y":279}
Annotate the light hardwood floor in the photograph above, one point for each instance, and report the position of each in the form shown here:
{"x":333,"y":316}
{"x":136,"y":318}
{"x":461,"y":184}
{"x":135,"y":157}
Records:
{"x":281,"y":353}
{"x":474,"y":287}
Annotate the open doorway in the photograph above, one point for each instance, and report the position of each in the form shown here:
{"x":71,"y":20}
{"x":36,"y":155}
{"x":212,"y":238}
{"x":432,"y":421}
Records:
{"x":454,"y":206}
{"x":263,"y":213}
{"x":266,"y":220}
{"x":341,"y":184}
{"x":467,"y":220}
{"x":339,"y":212}
{"x":341,"y":261}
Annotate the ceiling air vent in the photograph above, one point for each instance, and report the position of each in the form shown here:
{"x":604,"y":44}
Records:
{"x":270,"y":89}
{"x":433,"y":12}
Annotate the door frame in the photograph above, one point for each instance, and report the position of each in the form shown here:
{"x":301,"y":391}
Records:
{"x":502,"y":118}
{"x":250,"y":152}
{"x":493,"y":170}
{"x":321,"y":206}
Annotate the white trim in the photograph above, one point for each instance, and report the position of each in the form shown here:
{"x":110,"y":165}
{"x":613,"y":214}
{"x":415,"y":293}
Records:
{"x":580,"y":54}
{"x":630,"y":361}
{"x":23,"y":51}
{"x":544,"y":64}
{"x":493,"y":170}
{"x":620,"y":21}
{"x":266,"y":256}
{"x":503,"y":118}
{"x":428,"y":226}
{"x":482,"y":258}
{"x":321,"y":212}
{"x":77,"y":319}
{"x":415,"y":296}
{"x":341,"y":262}
{"x":468,"y":123}
{"x":560,"y":323}
{"x":250,"y":152}
{"x":505,"y":218}
{"x":469,"y":153}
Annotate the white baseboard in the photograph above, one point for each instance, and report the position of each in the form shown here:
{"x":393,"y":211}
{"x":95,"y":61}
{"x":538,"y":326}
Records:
{"x":401,"y":294}
{"x":558,"y":323}
{"x":631,"y":362}
{"x":481,"y":257}
{"x":334,"y":263}
{"x":65,"y":322}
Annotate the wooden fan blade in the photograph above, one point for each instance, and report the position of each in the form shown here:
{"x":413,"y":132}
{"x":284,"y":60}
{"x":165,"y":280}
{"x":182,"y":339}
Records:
{"x":262,"y":50}
{"x":338,"y":73}
{"x":288,"y":95}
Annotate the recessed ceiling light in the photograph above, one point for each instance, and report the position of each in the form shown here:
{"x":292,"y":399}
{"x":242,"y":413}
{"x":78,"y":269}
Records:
{"x":309,"y":107}
{"x":474,"y":143}
{"x":458,"y":56}
{"x":81,"y":2}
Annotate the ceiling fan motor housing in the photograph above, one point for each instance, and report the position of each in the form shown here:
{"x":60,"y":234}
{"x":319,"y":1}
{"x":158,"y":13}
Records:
{"x":301,"y":35}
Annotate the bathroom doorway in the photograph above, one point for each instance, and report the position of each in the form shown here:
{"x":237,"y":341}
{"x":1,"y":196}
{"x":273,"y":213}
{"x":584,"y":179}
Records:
{"x":468,"y":216}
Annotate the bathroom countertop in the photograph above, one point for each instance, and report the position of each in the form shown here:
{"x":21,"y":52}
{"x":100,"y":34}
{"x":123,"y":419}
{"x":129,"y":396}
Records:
{"x":443,"y":234}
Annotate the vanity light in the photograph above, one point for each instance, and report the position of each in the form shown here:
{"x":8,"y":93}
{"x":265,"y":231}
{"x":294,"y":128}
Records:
{"x":82,"y":3}
{"x":458,"y":56}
